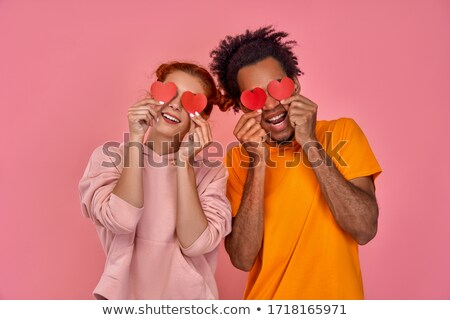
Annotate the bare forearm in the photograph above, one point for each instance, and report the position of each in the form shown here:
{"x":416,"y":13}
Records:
{"x":129,"y":186}
{"x":191,"y":220}
{"x":354,"y":209}
{"x":244,"y":242}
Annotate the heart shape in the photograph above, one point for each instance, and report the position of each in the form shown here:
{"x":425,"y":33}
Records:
{"x":163,"y":91}
{"x":193,"y":102}
{"x":281,"y":89}
{"x":253,"y":99}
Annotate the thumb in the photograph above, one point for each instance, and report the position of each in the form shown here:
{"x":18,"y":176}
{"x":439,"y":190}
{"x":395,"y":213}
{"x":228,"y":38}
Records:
{"x":192,"y":127}
{"x":189,"y":135}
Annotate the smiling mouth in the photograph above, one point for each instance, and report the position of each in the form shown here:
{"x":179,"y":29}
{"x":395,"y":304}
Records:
{"x":277,"y":120}
{"x":169,"y":118}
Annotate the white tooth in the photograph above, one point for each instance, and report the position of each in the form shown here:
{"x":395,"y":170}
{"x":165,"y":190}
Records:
{"x":277,"y":117}
{"x":171,"y":118}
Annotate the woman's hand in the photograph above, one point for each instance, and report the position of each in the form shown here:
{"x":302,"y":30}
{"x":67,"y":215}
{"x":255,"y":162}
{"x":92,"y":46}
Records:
{"x":198,"y":137}
{"x":141,"y":117}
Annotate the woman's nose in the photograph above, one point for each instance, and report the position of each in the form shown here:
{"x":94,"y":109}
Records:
{"x":175,"y":105}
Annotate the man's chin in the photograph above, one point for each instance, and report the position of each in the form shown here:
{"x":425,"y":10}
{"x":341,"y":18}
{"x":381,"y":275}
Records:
{"x":280,"y":139}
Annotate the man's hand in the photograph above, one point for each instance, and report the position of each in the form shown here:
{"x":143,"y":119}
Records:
{"x":302,"y":114}
{"x":251,"y":135}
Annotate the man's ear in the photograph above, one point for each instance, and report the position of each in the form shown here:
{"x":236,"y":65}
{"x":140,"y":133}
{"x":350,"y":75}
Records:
{"x":297,"y":87}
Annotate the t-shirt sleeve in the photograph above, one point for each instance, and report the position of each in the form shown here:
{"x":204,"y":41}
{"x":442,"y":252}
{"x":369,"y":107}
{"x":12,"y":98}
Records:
{"x":216,"y":207}
{"x":236,"y":180}
{"x":351,"y":152}
{"x":97,"y":200}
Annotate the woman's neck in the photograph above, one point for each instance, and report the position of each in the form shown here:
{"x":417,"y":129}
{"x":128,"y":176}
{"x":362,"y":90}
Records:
{"x":162,"y":146}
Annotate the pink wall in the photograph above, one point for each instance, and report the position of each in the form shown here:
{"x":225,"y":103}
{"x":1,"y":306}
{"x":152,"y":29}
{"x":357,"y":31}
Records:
{"x":69,"y":70}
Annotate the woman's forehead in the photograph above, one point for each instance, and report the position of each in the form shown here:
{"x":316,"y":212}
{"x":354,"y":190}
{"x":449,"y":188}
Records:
{"x":185,"y":81}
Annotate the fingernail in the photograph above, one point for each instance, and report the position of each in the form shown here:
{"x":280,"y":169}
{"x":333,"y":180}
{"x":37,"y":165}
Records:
{"x":191,"y":115}
{"x":259,"y":111}
{"x":196,"y":113}
{"x":161,"y":102}
{"x":282,"y":101}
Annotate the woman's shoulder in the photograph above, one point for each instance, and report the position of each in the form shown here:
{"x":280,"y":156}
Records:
{"x":107,"y":155}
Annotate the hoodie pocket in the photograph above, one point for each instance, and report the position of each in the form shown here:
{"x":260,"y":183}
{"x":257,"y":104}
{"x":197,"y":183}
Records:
{"x":161,"y":271}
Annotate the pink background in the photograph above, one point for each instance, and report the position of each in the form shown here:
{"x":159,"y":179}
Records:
{"x":70,"y":69}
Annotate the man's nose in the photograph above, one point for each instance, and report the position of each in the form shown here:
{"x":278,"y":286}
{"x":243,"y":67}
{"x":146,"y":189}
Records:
{"x":271,"y":103}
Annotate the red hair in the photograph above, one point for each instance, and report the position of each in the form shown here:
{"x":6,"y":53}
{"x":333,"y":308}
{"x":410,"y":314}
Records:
{"x":213,"y":95}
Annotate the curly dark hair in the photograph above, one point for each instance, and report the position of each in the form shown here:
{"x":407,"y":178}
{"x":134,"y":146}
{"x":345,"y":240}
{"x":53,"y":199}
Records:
{"x":234,"y":53}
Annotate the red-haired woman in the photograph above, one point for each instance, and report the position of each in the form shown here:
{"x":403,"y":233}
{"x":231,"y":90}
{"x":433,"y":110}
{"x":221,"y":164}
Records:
{"x":160,"y":214}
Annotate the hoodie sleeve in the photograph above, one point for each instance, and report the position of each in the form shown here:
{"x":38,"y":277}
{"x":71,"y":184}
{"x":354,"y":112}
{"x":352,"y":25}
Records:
{"x":216,"y":208}
{"x":97,"y":200}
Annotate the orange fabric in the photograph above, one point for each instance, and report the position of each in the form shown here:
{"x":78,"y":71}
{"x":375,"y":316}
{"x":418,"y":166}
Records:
{"x":305,"y":254}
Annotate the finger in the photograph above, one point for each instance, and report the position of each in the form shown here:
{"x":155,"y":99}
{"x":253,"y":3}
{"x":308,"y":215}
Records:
{"x":210,"y":137}
{"x":252,"y":134}
{"x":203,"y":124}
{"x":298,"y":106}
{"x":199,"y":136}
{"x":144,"y":110}
{"x":245,"y":117}
{"x":298,"y":97}
{"x":197,"y":119}
{"x":300,"y":113}
{"x":139,"y":120}
{"x":261,"y":134}
{"x":193,"y":125}
{"x":298,"y":120}
{"x":147,"y":101}
{"x":246,"y":127}
{"x":144,"y":116}
{"x":306,"y":100}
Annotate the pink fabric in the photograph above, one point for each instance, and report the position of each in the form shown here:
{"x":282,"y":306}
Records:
{"x":144,"y":257}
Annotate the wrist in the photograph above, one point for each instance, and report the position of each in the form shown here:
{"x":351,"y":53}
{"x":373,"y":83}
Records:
{"x":314,"y":153}
{"x":183,"y":162}
{"x":311,"y":144}
{"x":133,"y":137}
{"x":257,"y":166}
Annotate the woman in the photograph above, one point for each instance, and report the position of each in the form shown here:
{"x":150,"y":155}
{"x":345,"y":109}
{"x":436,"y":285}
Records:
{"x":160,"y":216}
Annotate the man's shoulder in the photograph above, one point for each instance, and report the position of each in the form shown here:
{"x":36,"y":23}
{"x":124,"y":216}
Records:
{"x":341,"y":126}
{"x":335,"y":125}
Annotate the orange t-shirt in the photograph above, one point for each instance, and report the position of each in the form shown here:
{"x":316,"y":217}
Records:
{"x":305,"y":254}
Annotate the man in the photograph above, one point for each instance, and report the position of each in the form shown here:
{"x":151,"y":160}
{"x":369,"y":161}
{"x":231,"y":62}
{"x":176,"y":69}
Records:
{"x":301,"y":190}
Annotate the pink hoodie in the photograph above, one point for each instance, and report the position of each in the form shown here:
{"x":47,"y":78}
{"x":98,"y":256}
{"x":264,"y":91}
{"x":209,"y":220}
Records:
{"x":144,"y":258}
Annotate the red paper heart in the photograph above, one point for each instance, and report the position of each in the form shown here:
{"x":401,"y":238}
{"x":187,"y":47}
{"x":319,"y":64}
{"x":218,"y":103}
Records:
{"x":253,"y":99}
{"x":281,"y":90}
{"x":163,"y":91}
{"x":193,"y":102}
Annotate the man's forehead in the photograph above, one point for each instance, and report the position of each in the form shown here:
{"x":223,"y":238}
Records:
{"x":259,"y":74}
